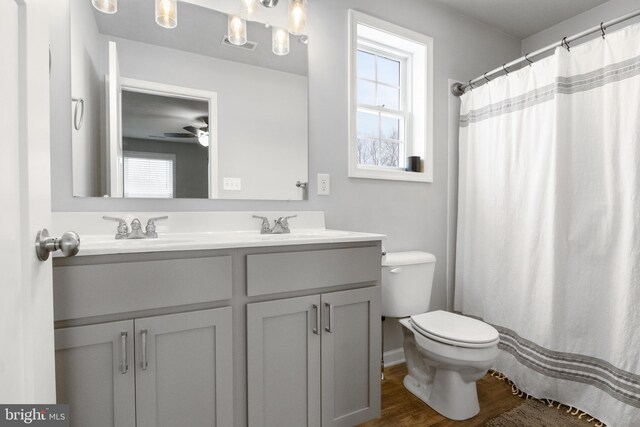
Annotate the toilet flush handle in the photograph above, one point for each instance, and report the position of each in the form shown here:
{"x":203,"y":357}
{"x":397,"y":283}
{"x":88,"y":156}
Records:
{"x":395,"y":270}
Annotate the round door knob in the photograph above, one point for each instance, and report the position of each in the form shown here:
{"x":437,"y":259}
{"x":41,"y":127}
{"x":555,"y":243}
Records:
{"x":68,"y":244}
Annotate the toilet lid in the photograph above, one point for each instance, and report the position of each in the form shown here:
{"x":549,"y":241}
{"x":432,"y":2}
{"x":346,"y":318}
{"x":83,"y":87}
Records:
{"x":455,"y":329}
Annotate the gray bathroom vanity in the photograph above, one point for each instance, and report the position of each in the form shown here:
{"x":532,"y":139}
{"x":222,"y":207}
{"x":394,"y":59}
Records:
{"x":263,"y":335}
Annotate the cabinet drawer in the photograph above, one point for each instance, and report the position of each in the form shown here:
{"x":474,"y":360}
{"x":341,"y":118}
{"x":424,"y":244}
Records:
{"x":99,"y":289}
{"x":296,"y":271}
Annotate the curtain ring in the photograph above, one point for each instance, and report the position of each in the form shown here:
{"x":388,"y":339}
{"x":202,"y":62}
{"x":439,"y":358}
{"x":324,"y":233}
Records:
{"x":526,"y":57}
{"x":565,"y":44}
{"x":505,"y":69}
{"x":485,"y":77}
{"x":602,"y":28}
{"x":471,"y":85}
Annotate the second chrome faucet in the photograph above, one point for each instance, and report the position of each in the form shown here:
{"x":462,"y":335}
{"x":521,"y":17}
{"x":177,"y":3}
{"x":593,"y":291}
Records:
{"x":280,"y":226}
{"x":136,"y":228}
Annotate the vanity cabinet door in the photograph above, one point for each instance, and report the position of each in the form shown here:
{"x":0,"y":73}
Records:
{"x":283,"y":362}
{"x":351,"y":343}
{"x":95,"y":374}
{"x":184,"y":369}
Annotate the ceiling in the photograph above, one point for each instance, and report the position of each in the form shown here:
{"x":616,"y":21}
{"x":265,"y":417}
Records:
{"x":148,"y":116}
{"x":521,"y":18}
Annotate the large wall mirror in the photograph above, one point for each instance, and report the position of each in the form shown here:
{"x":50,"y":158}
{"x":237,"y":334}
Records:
{"x":182,"y":112}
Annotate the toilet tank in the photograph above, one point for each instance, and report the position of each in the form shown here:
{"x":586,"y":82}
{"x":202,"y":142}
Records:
{"x":407,"y":278}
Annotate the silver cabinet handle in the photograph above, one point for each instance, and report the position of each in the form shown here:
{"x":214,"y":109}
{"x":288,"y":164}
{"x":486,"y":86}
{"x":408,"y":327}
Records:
{"x":77,"y":122}
{"x":329,"y":327}
{"x":124,"y":363}
{"x":395,"y":270}
{"x":68,"y":244}
{"x":316,"y":314}
{"x":143,"y":337}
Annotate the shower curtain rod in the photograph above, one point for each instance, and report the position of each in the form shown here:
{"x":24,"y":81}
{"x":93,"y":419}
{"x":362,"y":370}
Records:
{"x":458,"y":89}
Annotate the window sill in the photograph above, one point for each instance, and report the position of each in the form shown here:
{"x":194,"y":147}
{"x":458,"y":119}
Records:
{"x":391,"y":175}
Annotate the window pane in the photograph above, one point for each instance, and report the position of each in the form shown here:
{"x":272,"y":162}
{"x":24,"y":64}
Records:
{"x":388,"y":97}
{"x":150,"y":176}
{"x":392,"y":127}
{"x":389,"y":154}
{"x":366,"y":92}
{"x":368,"y":151}
{"x":388,"y":71}
{"x":366,"y":65}
{"x":368,"y":124}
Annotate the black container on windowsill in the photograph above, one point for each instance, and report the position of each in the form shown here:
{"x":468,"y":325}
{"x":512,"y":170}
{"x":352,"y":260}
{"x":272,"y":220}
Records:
{"x":413,"y":164}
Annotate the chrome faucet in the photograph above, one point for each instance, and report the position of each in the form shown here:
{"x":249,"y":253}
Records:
{"x":136,"y":228}
{"x":280,"y":226}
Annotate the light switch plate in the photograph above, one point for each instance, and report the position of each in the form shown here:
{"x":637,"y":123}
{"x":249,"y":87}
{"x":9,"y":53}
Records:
{"x":232,"y":184}
{"x":324,"y":184}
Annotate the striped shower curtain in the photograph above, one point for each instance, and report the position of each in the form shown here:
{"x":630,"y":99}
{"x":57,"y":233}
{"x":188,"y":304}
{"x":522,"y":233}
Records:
{"x":548,"y":246}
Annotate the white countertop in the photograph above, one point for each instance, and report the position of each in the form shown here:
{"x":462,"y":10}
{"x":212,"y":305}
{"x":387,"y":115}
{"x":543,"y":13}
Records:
{"x":105,"y":245}
{"x":200,"y":231}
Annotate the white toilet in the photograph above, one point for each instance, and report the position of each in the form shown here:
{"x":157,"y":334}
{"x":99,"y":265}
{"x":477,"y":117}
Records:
{"x":446,"y":353}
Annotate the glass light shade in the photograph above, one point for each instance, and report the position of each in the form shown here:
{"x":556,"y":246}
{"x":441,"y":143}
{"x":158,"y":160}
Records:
{"x":167,"y":13}
{"x":297,"y":16}
{"x":203,"y":138}
{"x":249,"y":6}
{"x":106,"y":6}
{"x":280,"y":41}
{"x":237,"y":30}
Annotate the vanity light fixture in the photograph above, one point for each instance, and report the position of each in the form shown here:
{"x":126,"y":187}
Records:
{"x":249,"y":6}
{"x":106,"y":6}
{"x":167,"y":13}
{"x":269,"y":3}
{"x":280,"y":41}
{"x":297,"y":16}
{"x":237,"y":30}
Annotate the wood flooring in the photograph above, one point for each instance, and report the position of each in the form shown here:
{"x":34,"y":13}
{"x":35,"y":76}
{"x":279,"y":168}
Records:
{"x":401,"y":408}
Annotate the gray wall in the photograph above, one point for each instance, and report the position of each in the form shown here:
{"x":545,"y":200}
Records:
{"x":86,"y":85}
{"x":192,"y":164}
{"x":592,"y":17}
{"x":413,"y":215}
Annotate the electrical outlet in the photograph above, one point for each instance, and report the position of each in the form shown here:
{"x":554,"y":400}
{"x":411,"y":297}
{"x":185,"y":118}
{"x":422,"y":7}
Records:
{"x":232,"y":184}
{"x":324,"y":184}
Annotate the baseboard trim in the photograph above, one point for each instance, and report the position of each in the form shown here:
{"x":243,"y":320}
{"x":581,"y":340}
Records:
{"x":393,"y":357}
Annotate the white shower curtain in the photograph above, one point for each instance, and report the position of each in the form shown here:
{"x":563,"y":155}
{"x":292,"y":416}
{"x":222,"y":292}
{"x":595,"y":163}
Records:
{"x":548,"y":244}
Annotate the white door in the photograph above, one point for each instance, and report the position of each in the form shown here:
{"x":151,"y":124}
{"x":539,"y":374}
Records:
{"x":27,"y":368}
{"x":114,"y":156}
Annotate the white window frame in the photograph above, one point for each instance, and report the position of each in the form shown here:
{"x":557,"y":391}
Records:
{"x":405,"y":96}
{"x":418,"y":50}
{"x":149,"y":155}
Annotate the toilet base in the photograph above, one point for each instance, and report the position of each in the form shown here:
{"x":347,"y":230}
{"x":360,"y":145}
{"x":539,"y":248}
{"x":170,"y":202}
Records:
{"x":447,"y":394}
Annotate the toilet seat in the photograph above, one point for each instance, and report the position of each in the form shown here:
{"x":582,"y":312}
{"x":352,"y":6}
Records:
{"x":455,"y":329}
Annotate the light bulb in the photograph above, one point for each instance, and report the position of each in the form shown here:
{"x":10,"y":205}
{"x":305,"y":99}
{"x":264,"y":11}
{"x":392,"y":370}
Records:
{"x":237,"y":30}
{"x":280,"y":41}
{"x":167,"y":13}
{"x":297,"y":16}
{"x":249,"y":6}
{"x":106,"y":6}
{"x":203,"y":138}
